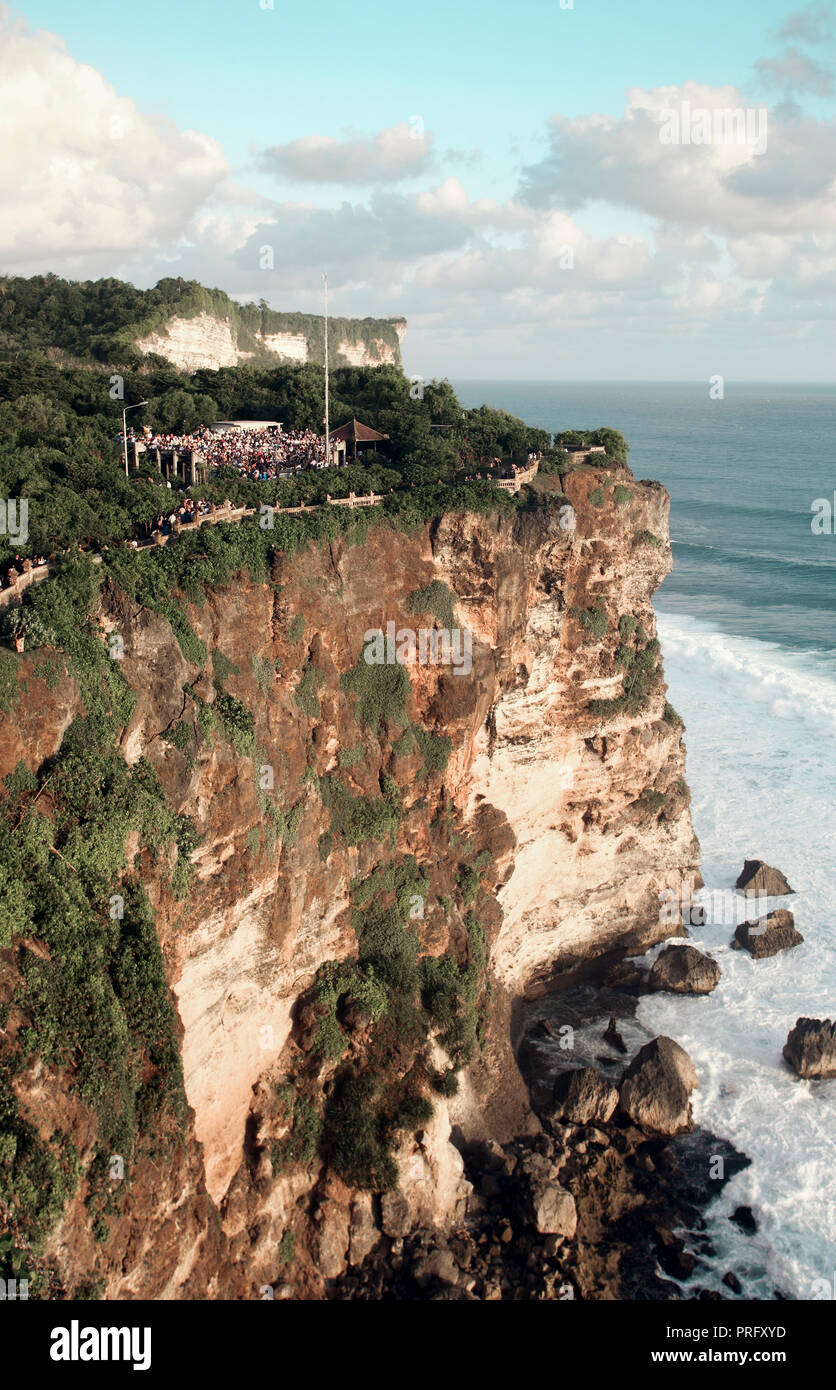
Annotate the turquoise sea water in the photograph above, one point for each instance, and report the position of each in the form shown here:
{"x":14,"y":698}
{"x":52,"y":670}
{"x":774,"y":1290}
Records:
{"x":747,"y":622}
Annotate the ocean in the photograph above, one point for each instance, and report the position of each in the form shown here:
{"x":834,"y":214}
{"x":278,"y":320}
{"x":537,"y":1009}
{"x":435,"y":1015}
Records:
{"x":746,"y":622}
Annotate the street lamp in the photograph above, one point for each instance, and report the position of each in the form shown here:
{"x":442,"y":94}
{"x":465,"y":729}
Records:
{"x":125,"y":429}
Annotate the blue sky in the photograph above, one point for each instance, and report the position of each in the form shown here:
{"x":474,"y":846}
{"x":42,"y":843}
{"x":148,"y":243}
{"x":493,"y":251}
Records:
{"x":485,"y":76}
{"x":461,"y":230}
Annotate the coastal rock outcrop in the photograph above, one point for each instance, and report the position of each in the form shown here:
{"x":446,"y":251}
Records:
{"x":684,"y":970}
{"x":769,"y":935}
{"x":757,"y":879}
{"x":810,"y":1048}
{"x":584,"y":1097}
{"x":656,"y":1087}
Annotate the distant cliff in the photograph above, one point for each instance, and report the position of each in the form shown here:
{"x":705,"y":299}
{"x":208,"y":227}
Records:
{"x":193,"y":327}
{"x":214,"y":340}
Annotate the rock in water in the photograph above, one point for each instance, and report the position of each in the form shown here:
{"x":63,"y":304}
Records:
{"x":613,"y":1037}
{"x":656,"y":1087}
{"x":744,"y":1218}
{"x":684,"y":970}
{"x":584,"y":1097}
{"x":769,"y":935}
{"x":757,"y":878}
{"x":810,"y":1048}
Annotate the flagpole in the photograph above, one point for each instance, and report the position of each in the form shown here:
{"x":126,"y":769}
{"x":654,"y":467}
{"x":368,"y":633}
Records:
{"x":327,"y":423}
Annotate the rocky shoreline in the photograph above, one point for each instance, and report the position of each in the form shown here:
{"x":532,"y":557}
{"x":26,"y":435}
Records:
{"x":597,"y":1209}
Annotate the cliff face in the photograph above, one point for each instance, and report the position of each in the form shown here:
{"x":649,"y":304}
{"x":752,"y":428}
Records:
{"x":558,"y":823}
{"x":209,"y":341}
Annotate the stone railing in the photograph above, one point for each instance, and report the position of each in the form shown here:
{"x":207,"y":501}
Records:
{"x":368,"y":499}
{"x":519,"y":479}
{"x":35,"y":575}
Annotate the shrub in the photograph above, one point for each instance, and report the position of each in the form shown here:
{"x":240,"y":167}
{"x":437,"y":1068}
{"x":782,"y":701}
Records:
{"x":8,"y":681}
{"x":223,"y":668}
{"x":446,"y":1083}
{"x":592,"y":620}
{"x":435,"y":749}
{"x":390,"y":948}
{"x":301,"y":1144}
{"x":237,"y":724}
{"x":305,"y":693}
{"x":468,"y":881}
{"x":437,"y":599}
{"x":622,"y":495}
{"x":349,"y":757}
{"x":671,"y":717}
{"x":596,"y":497}
{"x":182,"y":736}
{"x":296,"y":631}
{"x":356,"y":1130}
{"x":330,"y":1040}
{"x":358,"y":818}
{"x":381,"y":691}
{"x":264,"y":671}
{"x":287,"y":1248}
{"x":413,"y":1112}
{"x":647,"y":538}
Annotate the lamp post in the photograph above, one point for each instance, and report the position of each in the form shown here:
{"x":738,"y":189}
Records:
{"x":327,"y":427}
{"x":125,"y":429}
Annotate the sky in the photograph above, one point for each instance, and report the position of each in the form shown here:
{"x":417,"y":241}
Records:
{"x":545,"y":190}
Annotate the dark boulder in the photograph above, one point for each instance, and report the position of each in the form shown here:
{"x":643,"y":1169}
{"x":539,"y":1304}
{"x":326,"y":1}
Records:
{"x":584,"y":1097}
{"x":744,"y":1218}
{"x":757,"y":879}
{"x":810,"y":1048}
{"x":769,"y":935}
{"x":622,"y":974}
{"x":613,"y":1037}
{"x":684,"y":970}
{"x":675,"y":1260}
{"x":656,"y":1087}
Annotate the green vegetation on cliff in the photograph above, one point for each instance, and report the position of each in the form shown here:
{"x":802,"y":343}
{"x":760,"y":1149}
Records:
{"x":91,"y":999}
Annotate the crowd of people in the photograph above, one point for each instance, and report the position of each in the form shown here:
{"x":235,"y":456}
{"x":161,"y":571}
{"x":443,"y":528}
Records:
{"x":257,"y":454}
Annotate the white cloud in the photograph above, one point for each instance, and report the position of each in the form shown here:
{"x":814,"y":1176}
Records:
{"x":83,"y":173}
{"x":400,"y":152}
{"x":814,"y":23}
{"x":711,"y":239}
{"x":795,"y":72}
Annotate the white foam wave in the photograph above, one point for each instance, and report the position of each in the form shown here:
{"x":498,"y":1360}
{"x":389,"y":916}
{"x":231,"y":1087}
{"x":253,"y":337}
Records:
{"x":760,"y":727}
{"x":792,"y":685}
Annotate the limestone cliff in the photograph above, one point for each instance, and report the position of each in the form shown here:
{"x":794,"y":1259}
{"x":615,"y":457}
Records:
{"x":556,"y":814}
{"x":211,"y":340}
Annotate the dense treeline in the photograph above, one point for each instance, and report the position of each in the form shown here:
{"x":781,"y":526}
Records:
{"x":100,"y":320}
{"x":68,"y":365}
{"x":59,"y":447}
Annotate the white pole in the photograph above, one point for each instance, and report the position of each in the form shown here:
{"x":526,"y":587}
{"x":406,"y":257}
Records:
{"x":125,"y":429}
{"x":327,"y":421}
